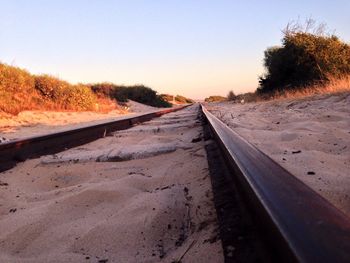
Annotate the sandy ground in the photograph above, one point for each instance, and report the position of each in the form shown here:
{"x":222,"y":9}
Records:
{"x":309,"y":137}
{"x":141,"y":195}
{"x":33,"y":123}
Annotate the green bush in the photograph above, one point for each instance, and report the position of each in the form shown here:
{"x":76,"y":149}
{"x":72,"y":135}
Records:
{"x":64,"y":94}
{"x":137,"y":93}
{"x":104,"y":89}
{"x":304,"y":59}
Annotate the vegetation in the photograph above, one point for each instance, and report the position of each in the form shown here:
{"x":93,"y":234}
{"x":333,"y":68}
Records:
{"x":143,"y":95}
{"x":182,"y":99}
{"x":167,"y":97}
{"x":248,"y":97}
{"x":305,"y":58}
{"x":177,"y":98}
{"x":17,"y":90}
{"x":333,"y":85}
{"x":137,"y":93}
{"x":308,"y":62}
{"x":20,"y":90}
{"x":215,"y":99}
{"x":231,"y":96}
{"x":65,"y":95}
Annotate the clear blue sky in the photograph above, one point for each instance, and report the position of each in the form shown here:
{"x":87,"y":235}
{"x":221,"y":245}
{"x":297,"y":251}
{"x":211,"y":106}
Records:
{"x":195,"y":48}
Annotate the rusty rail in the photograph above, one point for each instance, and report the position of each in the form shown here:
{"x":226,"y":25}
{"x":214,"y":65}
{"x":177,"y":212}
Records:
{"x":19,"y":150}
{"x":298,"y":224}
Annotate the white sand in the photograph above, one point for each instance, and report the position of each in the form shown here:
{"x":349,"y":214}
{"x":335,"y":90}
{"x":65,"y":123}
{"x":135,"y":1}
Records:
{"x":318,"y":127}
{"x":154,"y":208}
{"x":139,"y":107}
{"x":34,"y":123}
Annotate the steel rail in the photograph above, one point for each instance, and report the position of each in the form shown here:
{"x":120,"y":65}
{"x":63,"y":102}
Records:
{"x":297,"y":223}
{"x":19,"y":150}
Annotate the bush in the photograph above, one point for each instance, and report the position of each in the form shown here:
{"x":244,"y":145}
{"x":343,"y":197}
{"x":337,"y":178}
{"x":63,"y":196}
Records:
{"x":137,"y":93}
{"x":17,"y":91}
{"x":183,"y":99}
{"x":104,"y":89}
{"x":215,"y":99}
{"x":167,"y":97}
{"x":248,"y":97}
{"x":79,"y":97}
{"x":13,"y":79}
{"x":51,"y":88}
{"x":304,"y":59}
{"x":65,"y":95}
{"x":231,"y":96}
{"x":144,"y":95}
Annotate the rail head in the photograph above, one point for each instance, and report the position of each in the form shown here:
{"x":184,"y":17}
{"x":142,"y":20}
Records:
{"x":302,"y":225}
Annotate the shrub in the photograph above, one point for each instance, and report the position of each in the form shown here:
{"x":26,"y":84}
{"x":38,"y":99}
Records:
{"x":248,"y":97}
{"x":13,"y":79}
{"x":51,"y":88}
{"x":231,"y":96}
{"x":304,"y":59}
{"x":140,"y":94}
{"x":104,"y":89}
{"x":65,"y":95}
{"x":79,"y":97}
{"x":183,"y":99}
{"x":17,"y":90}
{"x":215,"y":99}
{"x":167,"y":97}
{"x":137,"y":93}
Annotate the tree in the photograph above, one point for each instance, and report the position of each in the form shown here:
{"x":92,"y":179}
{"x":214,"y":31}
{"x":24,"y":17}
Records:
{"x":305,"y":58}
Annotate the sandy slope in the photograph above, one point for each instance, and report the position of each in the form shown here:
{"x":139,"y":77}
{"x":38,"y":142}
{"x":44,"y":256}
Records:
{"x":309,"y":137}
{"x":142,"y":195}
{"x":32,"y":123}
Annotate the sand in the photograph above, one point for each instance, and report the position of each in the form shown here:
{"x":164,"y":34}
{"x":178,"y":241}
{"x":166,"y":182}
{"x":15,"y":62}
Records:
{"x":141,"y":195}
{"x":310,"y":137}
{"x":34,"y":123}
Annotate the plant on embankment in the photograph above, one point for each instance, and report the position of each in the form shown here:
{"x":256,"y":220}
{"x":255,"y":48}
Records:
{"x":20,"y":90}
{"x":121,"y":93}
{"x":304,"y":59}
{"x":65,"y":95}
{"x":17,"y":90}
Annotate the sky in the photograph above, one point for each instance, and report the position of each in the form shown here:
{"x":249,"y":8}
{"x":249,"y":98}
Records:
{"x":195,"y":48}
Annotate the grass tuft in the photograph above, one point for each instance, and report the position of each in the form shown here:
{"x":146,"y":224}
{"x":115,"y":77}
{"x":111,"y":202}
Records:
{"x":333,"y":86}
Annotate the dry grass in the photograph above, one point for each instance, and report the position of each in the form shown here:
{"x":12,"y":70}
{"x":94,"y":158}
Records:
{"x":105,"y":105}
{"x":333,"y":86}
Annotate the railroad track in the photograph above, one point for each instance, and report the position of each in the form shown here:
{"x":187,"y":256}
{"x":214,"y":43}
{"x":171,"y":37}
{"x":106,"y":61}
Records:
{"x":19,"y":150}
{"x":296,"y":223}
